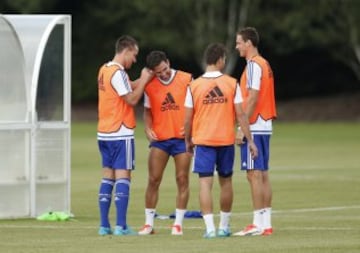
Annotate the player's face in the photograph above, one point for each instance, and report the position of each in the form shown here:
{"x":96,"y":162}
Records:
{"x":163,"y":70}
{"x":241,"y":45}
{"x":130,"y":57}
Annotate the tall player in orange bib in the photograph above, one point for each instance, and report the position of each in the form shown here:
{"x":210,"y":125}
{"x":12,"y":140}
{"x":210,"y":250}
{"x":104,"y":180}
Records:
{"x":164,"y":122}
{"x":257,"y":87}
{"x":116,"y":123}
{"x":213,"y":103}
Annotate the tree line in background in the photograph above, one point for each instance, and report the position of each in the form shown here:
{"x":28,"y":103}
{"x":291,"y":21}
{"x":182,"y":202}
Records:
{"x":313,"y":46}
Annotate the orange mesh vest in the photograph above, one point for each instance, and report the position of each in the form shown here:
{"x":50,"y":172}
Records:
{"x":167,"y":105}
{"x":265,"y":106}
{"x":214,"y":112}
{"x":113,"y":110}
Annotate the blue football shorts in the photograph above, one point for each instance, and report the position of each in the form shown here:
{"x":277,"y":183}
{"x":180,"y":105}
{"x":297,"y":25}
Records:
{"x":207,"y":159}
{"x":118,"y":154}
{"x":172,"y":146}
{"x":262,"y":142}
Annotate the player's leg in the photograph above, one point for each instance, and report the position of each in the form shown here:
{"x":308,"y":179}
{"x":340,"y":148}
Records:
{"x":267,"y":227}
{"x":121,"y":196}
{"x":182,"y":167}
{"x":156,"y":165}
{"x":206,"y":203}
{"x":204,"y":162}
{"x":105,"y":189}
{"x":157,"y":161}
{"x":255,"y":180}
{"x":226,"y":193}
{"x":226,"y":200}
{"x":104,"y":200}
{"x":254,"y":171}
{"x":123,"y":164}
{"x":226,"y":156}
{"x":267,"y":188}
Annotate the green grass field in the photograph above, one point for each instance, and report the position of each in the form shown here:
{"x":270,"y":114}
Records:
{"x":315,"y":173}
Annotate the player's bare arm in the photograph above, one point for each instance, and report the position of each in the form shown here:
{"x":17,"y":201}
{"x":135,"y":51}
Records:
{"x":150,"y":134}
{"x":187,"y":127}
{"x":133,"y":97}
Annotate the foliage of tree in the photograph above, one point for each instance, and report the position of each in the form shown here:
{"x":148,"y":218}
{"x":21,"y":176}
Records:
{"x":314,"y":46}
{"x":323,"y":31}
{"x":333,"y":25}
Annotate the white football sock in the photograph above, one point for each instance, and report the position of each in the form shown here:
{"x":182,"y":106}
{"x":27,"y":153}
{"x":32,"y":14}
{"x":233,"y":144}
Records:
{"x":209,"y":222}
{"x":179,"y":216}
{"x":267,"y":218}
{"x":224,"y":220}
{"x":149,"y":216}
{"x":258,"y":218}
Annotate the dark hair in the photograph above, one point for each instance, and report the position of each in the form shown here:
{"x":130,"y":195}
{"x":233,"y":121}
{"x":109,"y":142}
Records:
{"x":250,"y":33}
{"x":154,"y":58}
{"x":123,"y":42}
{"x":214,"y":52}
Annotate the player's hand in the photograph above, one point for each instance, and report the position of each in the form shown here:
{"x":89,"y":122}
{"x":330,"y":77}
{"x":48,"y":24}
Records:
{"x":239,"y":137}
{"x":182,"y":131}
{"x":253,"y":149}
{"x":150,"y":134}
{"x":189,"y":147}
{"x":146,"y":75}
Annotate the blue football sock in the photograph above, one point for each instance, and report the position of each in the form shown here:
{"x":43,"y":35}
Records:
{"x":105,"y":192}
{"x":122,"y":188}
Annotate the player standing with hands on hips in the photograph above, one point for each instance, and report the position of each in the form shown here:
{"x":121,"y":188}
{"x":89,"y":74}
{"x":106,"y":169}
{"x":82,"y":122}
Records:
{"x":117,"y":97}
{"x":257,"y":87}
{"x":213,"y":103}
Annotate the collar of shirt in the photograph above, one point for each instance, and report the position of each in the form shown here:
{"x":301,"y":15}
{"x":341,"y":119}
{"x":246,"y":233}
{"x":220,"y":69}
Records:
{"x":212,"y":74}
{"x":110,"y":63}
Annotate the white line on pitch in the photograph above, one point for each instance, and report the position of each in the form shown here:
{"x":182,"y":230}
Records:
{"x":64,"y":225}
{"x":165,"y":227}
{"x":307,"y":210}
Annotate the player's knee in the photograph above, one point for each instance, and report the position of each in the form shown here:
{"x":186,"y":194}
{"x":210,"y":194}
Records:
{"x":155,"y":181}
{"x":253,"y":175}
{"x":182,"y":180}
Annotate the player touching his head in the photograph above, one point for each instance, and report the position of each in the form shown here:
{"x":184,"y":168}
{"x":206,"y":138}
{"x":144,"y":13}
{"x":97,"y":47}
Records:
{"x":164,"y":114}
